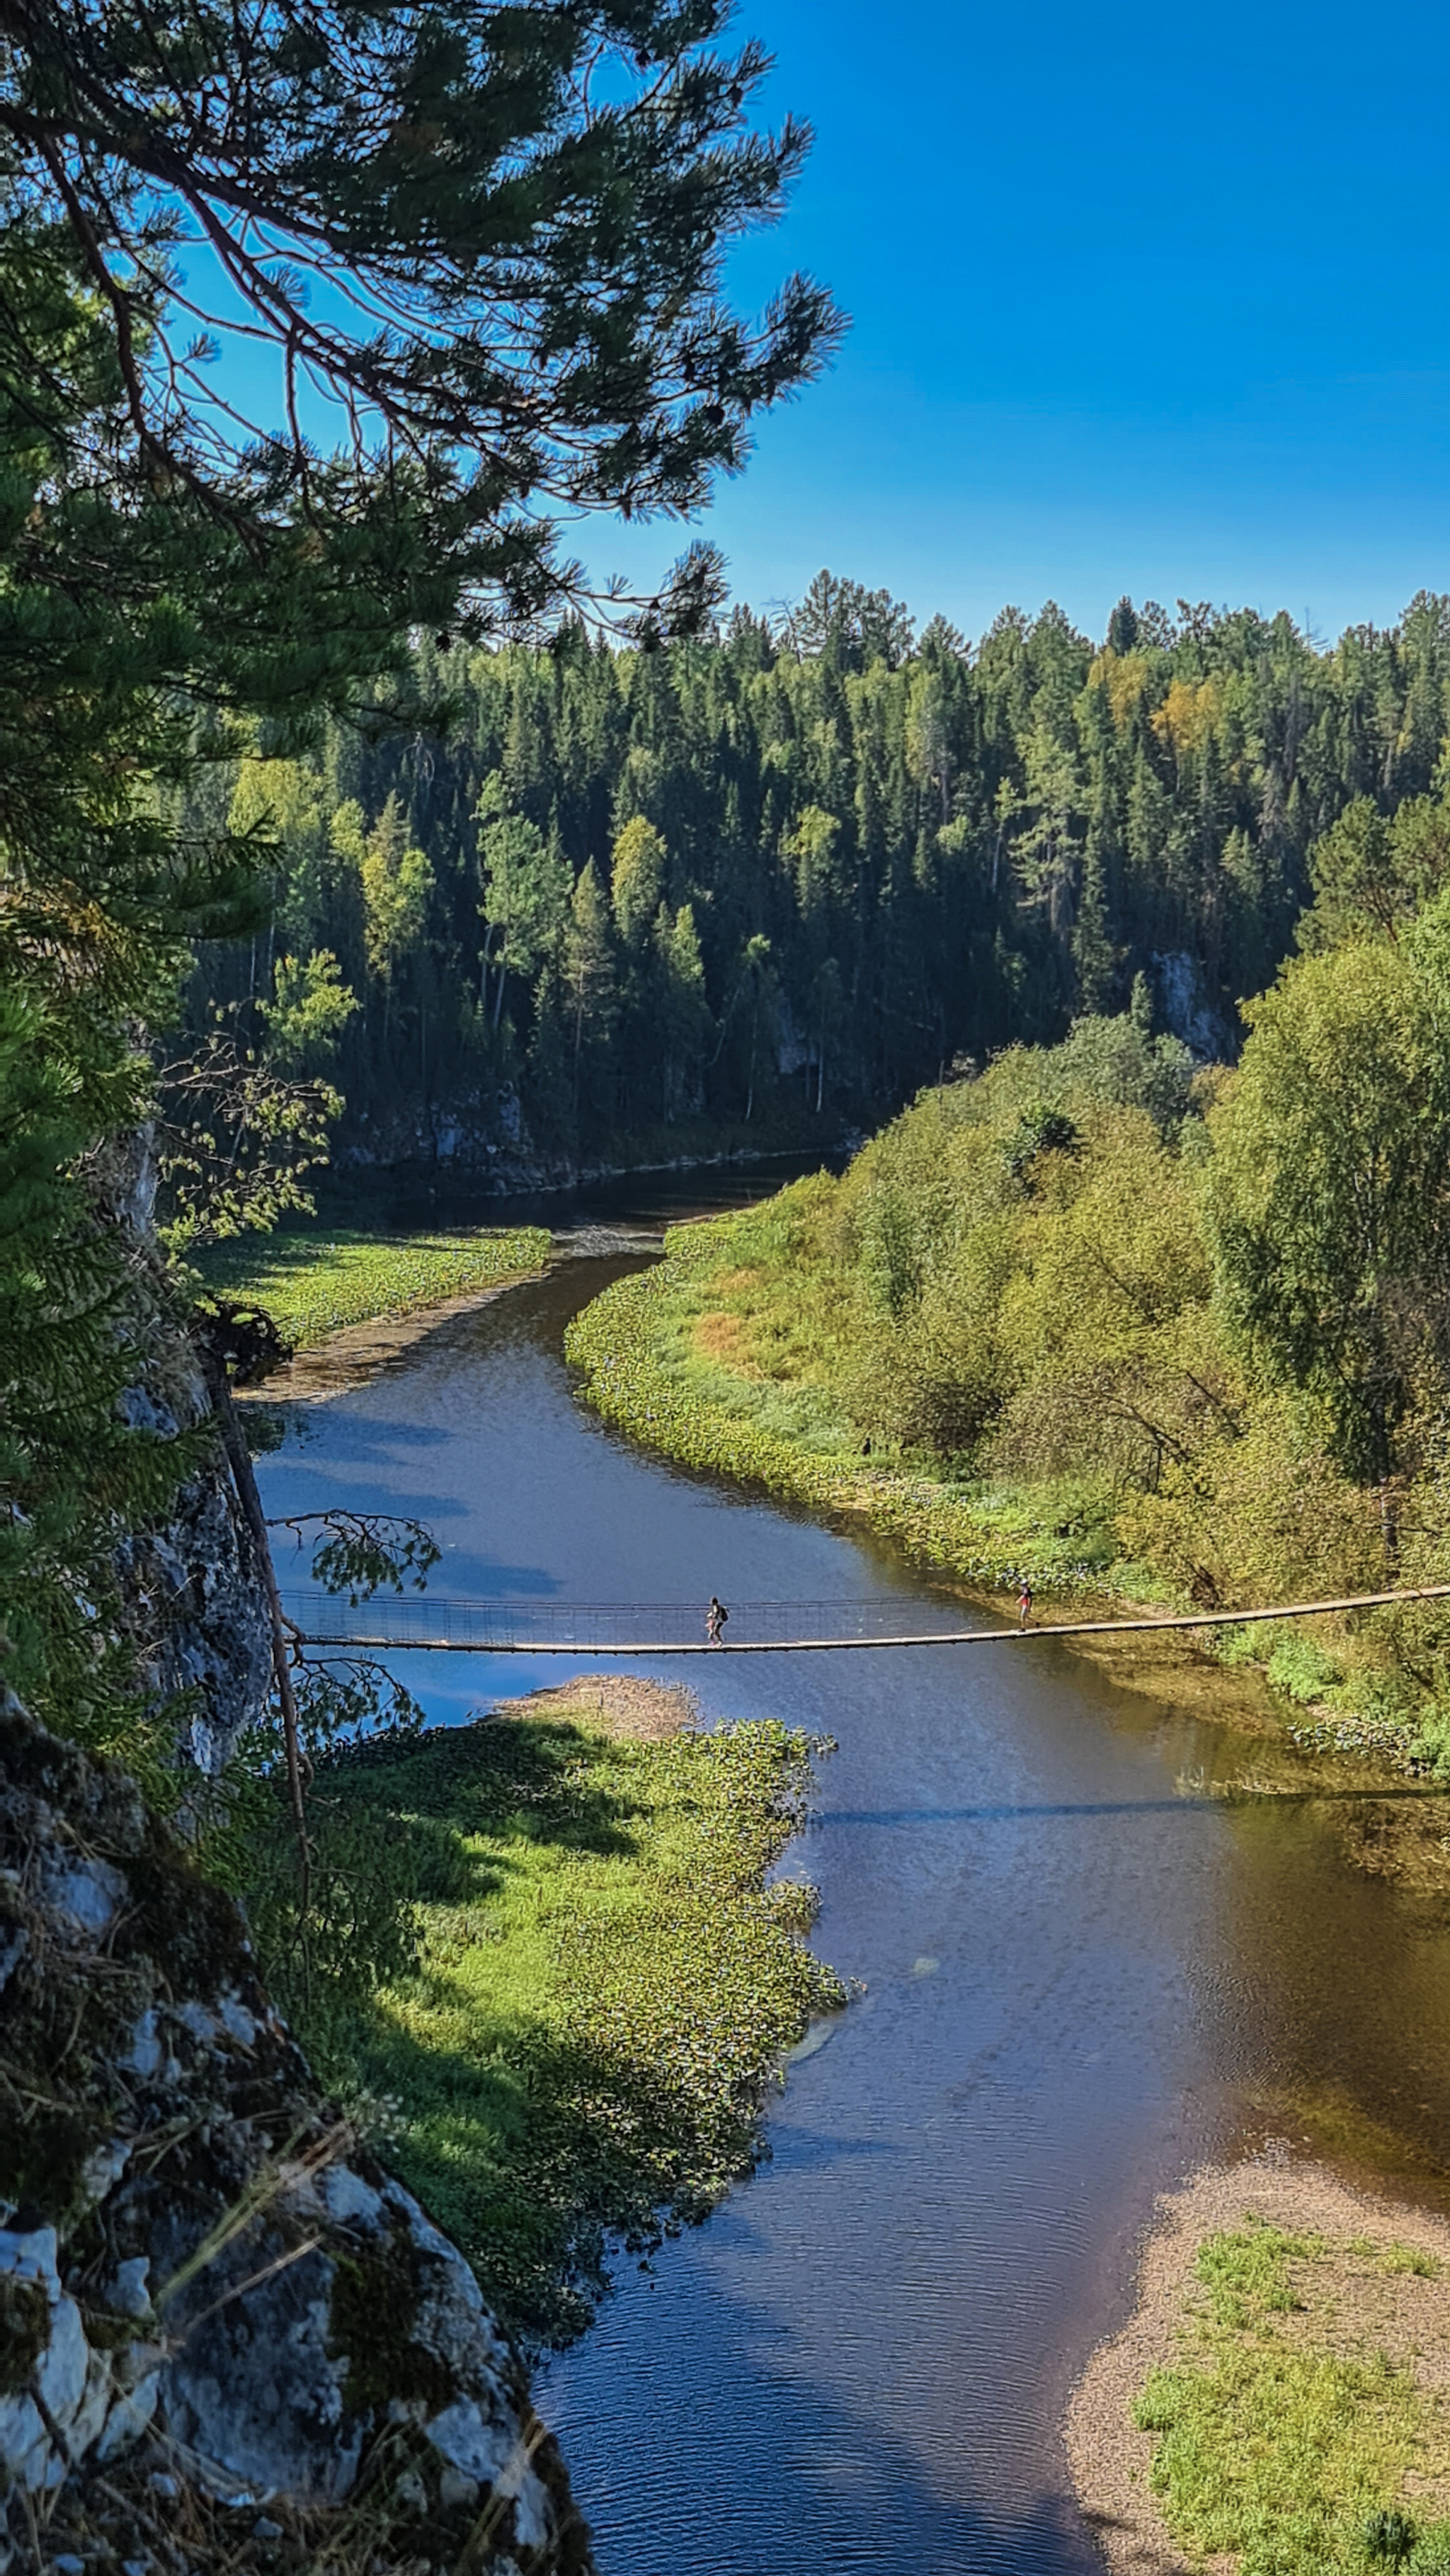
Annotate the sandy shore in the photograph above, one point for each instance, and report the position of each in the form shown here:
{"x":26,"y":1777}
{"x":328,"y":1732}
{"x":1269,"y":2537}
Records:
{"x":348,"y":1357}
{"x":614,"y":1704}
{"x":1407,"y":2316}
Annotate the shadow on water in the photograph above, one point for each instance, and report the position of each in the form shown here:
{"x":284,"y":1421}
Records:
{"x":1075,"y":1985}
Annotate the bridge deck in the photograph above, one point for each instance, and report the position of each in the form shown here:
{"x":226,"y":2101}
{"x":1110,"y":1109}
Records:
{"x":327,"y":1623}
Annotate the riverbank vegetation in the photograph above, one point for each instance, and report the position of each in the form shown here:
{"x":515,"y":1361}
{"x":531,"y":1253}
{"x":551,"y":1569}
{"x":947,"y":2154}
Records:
{"x":316,"y":1284}
{"x":1294,"y":2433}
{"x":1101,"y":1320}
{"x":788,"y":870}
{"x":561,"y":1978}
{"x":1276,"y":2403}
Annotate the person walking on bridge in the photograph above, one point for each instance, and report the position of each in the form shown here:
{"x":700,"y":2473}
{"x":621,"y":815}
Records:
{"x":715,"y":1618}
{"x":1024,"y":1603}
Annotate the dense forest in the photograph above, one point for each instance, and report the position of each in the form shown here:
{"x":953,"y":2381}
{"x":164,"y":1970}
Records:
{"x":594,"y":890}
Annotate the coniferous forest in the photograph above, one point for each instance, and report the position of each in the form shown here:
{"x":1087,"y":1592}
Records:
{"x":593,"y":894}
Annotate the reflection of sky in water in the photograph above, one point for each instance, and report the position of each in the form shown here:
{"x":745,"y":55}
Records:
{"x":1072,"y":1976}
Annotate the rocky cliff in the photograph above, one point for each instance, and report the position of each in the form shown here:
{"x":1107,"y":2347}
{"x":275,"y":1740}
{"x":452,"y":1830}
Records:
{"x":228,"y":2338}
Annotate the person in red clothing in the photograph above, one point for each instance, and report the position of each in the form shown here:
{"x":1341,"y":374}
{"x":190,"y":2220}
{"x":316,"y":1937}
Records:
{"x":1024,"y":1603}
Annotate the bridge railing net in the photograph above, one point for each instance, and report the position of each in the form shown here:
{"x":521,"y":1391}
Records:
{"x":401,"y":1620}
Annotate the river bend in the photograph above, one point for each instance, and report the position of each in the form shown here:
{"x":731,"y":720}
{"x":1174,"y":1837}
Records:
{"x":1077,"y":1983}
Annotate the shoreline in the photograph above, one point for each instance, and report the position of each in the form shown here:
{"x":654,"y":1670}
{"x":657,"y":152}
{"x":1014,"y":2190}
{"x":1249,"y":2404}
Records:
{"x":350,"y":1355}
{"x":606,"y":1979}
{"x":625,"y":1382}
{"x":1111,"y":2459}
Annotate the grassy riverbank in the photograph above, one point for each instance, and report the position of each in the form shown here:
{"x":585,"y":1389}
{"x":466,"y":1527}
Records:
{"x":604,"y":1981}
{"x":720,"y":1357}
{"x":740,"y":1354}
{"x":1278,"y":2403}
{"x":316,"y":1284}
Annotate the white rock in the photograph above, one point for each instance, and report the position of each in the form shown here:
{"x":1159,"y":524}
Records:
{"x":90,"y":1892}
{"x":127,"y":2294}
{"x":32,"y":2256}
{"x":84,"y":2428}
{"x":103,"y":2167}
{"x":61,"y":2377}
{"x":347,"y":2196}
{"x":236,"y":2021}
{"x":143,"y":2057}
{"x":24,"y":2444}
{"x":464,"y":2437}
{"x":131,"y":2412}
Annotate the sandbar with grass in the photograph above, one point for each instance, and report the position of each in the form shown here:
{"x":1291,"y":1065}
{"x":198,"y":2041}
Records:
{"x":602,"y":1979}
{"x":1278,"y":2404}
{"x":387,"y":1288}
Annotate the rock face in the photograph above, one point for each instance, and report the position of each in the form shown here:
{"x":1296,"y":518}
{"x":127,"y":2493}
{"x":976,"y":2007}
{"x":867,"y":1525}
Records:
{"x":192,"y":1588}
{"x":227,"y":2335}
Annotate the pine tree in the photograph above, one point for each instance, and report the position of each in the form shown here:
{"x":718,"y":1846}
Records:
{"x":532,"y":210}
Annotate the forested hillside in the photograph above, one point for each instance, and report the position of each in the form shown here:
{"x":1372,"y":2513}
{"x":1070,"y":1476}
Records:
{"x":1098,"y":1318}
{"x":804,"y":864}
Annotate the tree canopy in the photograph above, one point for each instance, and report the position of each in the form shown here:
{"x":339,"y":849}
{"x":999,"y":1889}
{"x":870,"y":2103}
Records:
{"x":465,"y":267}
{"x":947,"y":846}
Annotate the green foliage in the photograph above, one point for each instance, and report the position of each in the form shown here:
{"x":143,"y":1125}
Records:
{"x":603,"y":1983}
{"x":1327,"y":1188}
{"x":526,"y":891}
{"x":315,"y":1284}
{"x":792,"y":1439}
{"x":1012,"y":1334}
{"x":310,"y":1009}
{"x":947,"y":850}
{"x":1246,"y":2271}
{"x":236,"y":1138}
{"x":1301,"y":1670}
{"x":1373,"y":871}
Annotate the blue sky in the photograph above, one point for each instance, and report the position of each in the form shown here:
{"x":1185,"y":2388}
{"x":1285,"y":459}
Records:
{"x":1143,"y":300}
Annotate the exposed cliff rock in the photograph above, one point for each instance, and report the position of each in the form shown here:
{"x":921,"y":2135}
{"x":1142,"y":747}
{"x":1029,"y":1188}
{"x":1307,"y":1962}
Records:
{"x":227,"y":2336}
{"x":192,"y":1587}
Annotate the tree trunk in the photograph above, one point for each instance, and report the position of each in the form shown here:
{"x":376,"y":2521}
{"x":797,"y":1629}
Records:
{"x":239,"y":1461}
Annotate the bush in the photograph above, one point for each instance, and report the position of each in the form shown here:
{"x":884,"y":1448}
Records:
{"x":1301,"y":1671}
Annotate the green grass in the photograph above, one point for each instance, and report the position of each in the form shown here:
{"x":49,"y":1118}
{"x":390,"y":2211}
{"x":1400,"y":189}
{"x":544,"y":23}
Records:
{"x":1287,"y":2455}
{"x":605,"y":1987}
{"x":314,"y":1284}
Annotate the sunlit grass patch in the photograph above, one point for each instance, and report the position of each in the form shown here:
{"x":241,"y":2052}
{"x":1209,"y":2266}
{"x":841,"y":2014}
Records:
{"x":1290,"y":2438}
{"x":605,"y":1986}
{"x":316,"y":1284}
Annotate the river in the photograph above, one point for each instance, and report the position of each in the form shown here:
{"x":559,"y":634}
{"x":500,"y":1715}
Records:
{"x":1078,"y":1982}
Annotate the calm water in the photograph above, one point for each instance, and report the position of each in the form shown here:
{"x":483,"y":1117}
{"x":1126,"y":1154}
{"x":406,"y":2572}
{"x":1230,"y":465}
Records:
{"x":1077,"y":1983}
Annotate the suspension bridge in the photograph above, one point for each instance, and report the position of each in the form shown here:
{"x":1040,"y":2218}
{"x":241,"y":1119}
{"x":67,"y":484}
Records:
{"x":324,"y":1623}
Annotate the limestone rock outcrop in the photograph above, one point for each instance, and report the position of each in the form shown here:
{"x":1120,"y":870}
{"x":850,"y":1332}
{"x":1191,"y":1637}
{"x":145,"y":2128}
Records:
{"x":227,"y":2335}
